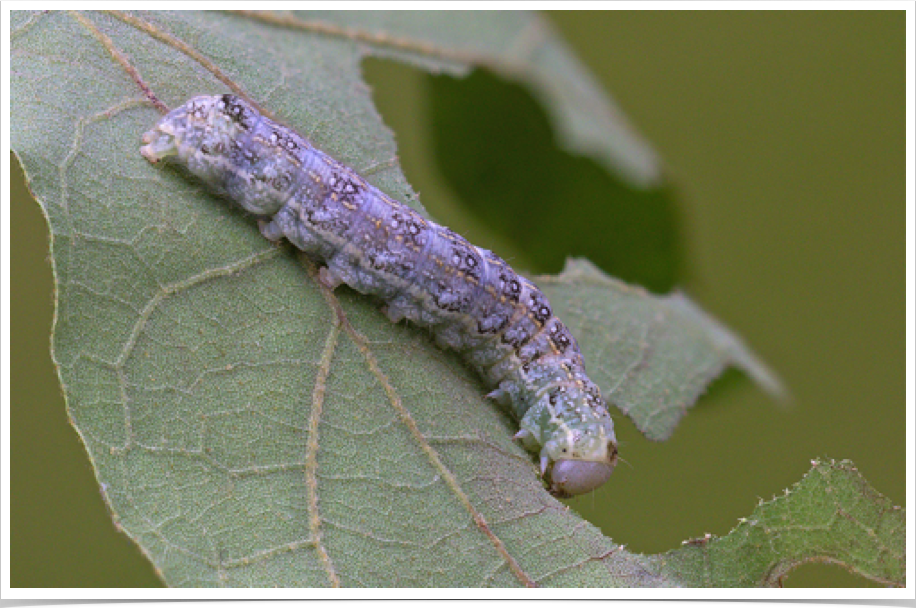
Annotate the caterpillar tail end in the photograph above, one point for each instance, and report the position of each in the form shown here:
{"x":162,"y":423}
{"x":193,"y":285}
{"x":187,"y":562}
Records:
{"x":157,"y":145}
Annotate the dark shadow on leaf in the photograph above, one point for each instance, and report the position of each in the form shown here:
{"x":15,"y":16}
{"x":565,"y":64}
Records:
{"x":495,"y":147}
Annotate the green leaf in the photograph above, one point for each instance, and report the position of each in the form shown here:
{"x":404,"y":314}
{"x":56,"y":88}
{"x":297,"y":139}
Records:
{"x":832,"y":515}
{"x":652,"y":356}
{"x":246,"y":427}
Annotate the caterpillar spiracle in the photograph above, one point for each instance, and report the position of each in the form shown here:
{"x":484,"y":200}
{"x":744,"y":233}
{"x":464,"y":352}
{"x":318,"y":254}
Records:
{"x":471,"y":300}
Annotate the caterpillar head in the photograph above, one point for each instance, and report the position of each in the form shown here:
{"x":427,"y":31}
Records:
{"x":578,"y":448}
{"x":579,"y":460}
{"x":572,"y":477}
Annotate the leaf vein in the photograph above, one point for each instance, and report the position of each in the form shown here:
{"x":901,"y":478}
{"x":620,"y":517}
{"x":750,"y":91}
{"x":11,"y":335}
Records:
{"x":312,"y":446}
{"x":183,"y":47}
{"x":394,"y":398}
{"x":382,"y":39}
{"x":121,"y":58}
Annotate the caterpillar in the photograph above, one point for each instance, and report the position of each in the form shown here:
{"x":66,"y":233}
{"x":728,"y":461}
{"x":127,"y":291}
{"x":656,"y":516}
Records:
{"x":471,"y":299}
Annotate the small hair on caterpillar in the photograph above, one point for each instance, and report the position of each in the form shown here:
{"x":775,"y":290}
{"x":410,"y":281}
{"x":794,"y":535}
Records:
{"x":471,"y":299}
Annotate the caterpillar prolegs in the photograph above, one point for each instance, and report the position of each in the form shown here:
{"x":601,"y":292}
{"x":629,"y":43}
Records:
{"x":471,"y":299}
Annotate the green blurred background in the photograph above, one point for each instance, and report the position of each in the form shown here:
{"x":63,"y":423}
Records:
{"x":783,"y":136}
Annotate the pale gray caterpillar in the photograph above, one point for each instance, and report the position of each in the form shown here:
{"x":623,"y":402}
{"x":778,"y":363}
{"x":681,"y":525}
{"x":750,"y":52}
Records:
{"x":471,"y":299}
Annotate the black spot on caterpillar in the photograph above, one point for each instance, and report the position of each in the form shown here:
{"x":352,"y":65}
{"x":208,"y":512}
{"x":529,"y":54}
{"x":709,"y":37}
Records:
{"x":471,"y":299}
